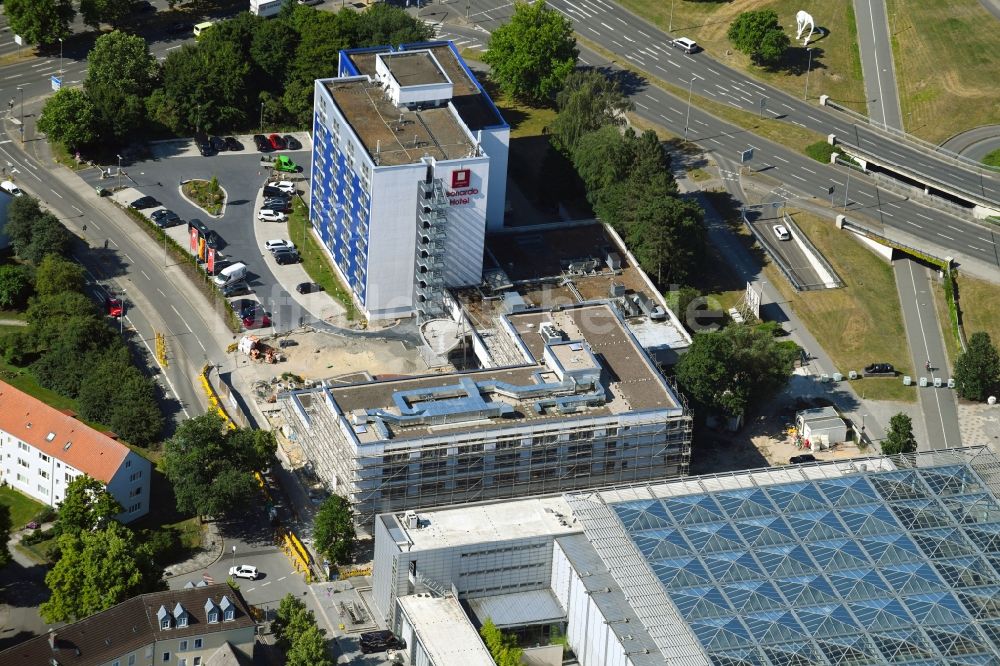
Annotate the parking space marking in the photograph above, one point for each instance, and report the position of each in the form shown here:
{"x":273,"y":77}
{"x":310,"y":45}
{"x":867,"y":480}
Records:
{"x":266,"y":584}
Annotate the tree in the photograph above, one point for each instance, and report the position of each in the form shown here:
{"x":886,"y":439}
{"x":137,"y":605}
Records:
{"x":5,"y":526}
{"x":56,"y":275}
{"x":40,"y":21}
{"x":759,"y":35}
{"x":113,"y":12}
{"x":95,"y":571}
{"x":333,"y":529}
{"x":121,"y":75}
{"x":309,"y":649}
{"x":899,"y":438}
{"x":735,"y":368}
{"x":288,"y":607}
{"x":15,"y":286}
{"x":69,"y":118}
{"x":48,"y":237}
{"x":22,"y":213}
{"x":204,"y":89}
{"x":211,"y":468}
{"x":136,"y":415}
{"x":87,"y":506}
{"x":588,"y":100}
{"x":47,"y":315}
{"x":977,"y":370}
{"x":503,"y":647}
{"x":531,"y":56}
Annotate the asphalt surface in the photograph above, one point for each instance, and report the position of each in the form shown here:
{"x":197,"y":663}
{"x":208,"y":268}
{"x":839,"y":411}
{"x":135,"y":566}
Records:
{"x":940,"y":411}
{"x":975,"y":143}
{"x":647,"y":48}
{"x":877,"y":63}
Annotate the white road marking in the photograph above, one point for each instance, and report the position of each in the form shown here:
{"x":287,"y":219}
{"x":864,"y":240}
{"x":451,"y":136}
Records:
{"x":782,"y":159}
{"x":924,"y":216}
{"x":55,"y":193}
{"x":161,"y":292}
{"x":796,"y":176}
{"x":282,"y":578}
{"x":144,"y":274}
{"x":640,"y":104}
{"x":943,"y":236}
{"x":808,"y":170}
{"x":131,"y":260}
{"x":266,"y":584}
{"x":181,"y":318}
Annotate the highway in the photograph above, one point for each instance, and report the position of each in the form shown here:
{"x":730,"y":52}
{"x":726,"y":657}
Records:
{"x":646,"y":47}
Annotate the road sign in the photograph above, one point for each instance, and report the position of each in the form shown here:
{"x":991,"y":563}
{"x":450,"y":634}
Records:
{"x":56,"y":82}
{"x":746,"y":155}
{"x":19,"y":40}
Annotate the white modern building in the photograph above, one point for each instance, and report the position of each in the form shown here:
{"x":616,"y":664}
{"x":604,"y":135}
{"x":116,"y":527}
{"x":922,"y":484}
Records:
{"x":43,"y":449}
{"x":409,"y":168}
{"x":584,"y":407}
{"x":880,"y":560}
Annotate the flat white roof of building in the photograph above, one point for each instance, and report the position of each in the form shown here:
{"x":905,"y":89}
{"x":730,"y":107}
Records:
{"x":446,"y":634}
{"x":492,"y":521}
{"x":519,"y":609}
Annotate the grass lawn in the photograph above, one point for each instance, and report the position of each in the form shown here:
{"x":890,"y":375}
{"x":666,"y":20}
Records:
{"x":860,"y":323}
{"x":12,"y":314}
{"x":992,"y":158}
{"x":204,"y":195}
{"x":315,"y":259}
{"x":951,"y":346}
{"x":978,"y":301}
{"x":22,"y":508}
{"x":947,"y":55}
{"x":836,"y":64}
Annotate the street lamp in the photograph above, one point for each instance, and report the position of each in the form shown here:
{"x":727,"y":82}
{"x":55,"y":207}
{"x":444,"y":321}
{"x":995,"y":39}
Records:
{"x":687,"y":121}
{"x":670,"y":28}
{"x":60,"y":56}
{"x":21,"y":90}
{"x":805,"y":95}
{"x":234,"y":556}
{"x":121,"y":317}
{"x":119,"y":187}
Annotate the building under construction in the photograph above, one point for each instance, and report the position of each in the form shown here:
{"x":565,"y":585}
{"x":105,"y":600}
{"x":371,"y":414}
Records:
{"x":585,"y":408}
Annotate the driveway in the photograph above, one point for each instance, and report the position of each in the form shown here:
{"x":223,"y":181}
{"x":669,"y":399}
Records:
{"x":241,"y":176}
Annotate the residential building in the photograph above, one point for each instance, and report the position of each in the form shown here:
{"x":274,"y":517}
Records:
{"x":44,"y":448}
{"x":409,"y":168}
{"x":879,"y":560}
{"x":584,"y":408}
{"x":196,"y":626}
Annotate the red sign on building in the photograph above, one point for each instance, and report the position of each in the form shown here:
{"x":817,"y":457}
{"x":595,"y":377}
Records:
{"x":210,"y":262}
{"x":461,"y":178}
{"x":194,"y":239}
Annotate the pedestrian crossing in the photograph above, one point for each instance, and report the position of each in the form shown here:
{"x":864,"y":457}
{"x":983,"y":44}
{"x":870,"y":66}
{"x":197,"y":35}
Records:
{"x":441,"y":32}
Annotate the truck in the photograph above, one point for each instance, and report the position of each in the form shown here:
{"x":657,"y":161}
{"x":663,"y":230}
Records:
{"x":267,"y":8}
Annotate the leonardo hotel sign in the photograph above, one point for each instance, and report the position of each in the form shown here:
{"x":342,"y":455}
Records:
{"x":460,"y":192}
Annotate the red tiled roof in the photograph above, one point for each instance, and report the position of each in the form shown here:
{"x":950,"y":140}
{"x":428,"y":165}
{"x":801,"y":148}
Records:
{"x":59,"y":435}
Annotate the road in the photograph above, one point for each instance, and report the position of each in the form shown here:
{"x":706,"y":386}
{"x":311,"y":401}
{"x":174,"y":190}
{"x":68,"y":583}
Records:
{"x":940,"y":411}
{"x":645,"y":47}
{"x":877,"y":63}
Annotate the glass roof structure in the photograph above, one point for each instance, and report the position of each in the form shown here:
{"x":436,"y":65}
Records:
{"x":896,"y":565}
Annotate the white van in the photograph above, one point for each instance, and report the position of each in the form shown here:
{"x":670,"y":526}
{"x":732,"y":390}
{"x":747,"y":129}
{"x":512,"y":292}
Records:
{"x":229,"y":274}
{"x":10,"y":188}
{"x":202,"y":27}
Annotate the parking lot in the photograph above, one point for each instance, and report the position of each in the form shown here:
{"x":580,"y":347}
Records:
{"x":243,"y":237}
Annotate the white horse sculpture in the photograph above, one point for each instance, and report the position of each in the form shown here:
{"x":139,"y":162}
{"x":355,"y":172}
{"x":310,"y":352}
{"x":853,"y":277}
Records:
{"x":801,"y":19}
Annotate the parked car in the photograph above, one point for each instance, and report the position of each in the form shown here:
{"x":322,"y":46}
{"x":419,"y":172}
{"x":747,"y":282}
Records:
{"x":285,"y":163}
{"x":289,"y":256}
{"x":263,"y":145}
{"x":10,"y":188}
{"x":244,"y":307}
{"x":804,"y":458}
{"x":781,"y":232}
{"x":277,"y":203}
{"x":308,"y":287}
{"x":205,"y":146}
{"x":292,"y":142}
{"x":232,"y":143}
{"x":685,"y":44}
{"x":286,"y":186}
{"x":144,"y":202}
{"x":212,"y":239}
{"x":243,"y":571}
{"x":278,"y":244}
{"x":277,"y":143}
{"x":380,"y":641}
{"x":268,"y":215}
{"x":272,"y":191}
{"x":880,"y":369}
{"x":218,"y":143}
{"x":257,"y":319}
{"x":163,"y":214}
{"x":114,"y":306}
{"x":236,"y":289}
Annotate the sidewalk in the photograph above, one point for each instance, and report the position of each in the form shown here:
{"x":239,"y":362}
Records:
{"x":212,"y":548}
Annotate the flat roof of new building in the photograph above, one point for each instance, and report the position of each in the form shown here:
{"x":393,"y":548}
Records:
{"x":444,"y":630}
{"x":395,"y":135}
{"x":630,"y":381}
{"x":472,"y":105}
{"x":413,"y":68}
{"x":485,"y":523}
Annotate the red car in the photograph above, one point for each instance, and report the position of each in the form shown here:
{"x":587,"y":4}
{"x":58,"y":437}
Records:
{"x":114,"y":306}
{"x":277,"y":142}
{"x":256,"y":319}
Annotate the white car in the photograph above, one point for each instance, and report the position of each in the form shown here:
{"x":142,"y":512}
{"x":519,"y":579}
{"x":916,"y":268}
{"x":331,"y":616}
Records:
{"x":243,"y":571}
{"x":286,"y":186}
{"x":781,"y":232}
{"x":268,"y":215}
{"x":685,"y":44}
{"x":10,"y":188}
{"x":278,"y":244}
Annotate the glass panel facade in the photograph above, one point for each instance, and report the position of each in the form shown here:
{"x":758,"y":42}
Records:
{"x":888,"y":567}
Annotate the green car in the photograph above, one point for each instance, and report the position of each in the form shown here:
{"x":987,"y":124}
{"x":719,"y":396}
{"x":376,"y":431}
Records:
{"x":283,"y":163}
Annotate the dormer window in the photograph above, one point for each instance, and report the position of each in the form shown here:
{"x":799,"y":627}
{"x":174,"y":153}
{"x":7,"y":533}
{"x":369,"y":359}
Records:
{"x":228,"y":609}
{"x":180,"y":616}
{"x":212,"y":612}
{"x":163,"y":615}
